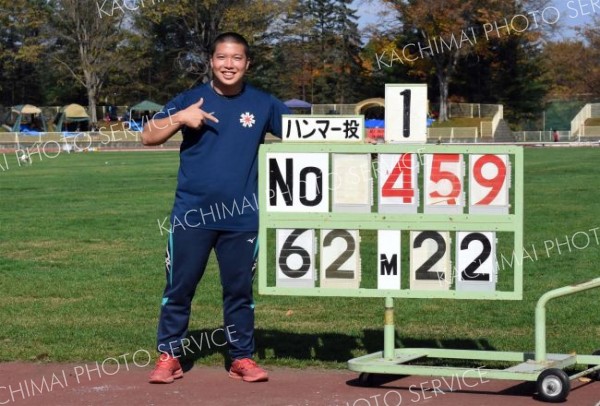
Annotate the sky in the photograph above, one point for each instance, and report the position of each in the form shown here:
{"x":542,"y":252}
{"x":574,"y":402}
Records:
{"x":571,"y":14}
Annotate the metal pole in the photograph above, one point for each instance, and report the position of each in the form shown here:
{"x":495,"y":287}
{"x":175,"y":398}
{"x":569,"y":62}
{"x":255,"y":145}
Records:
{"x":544,"y":120}
{"x":389,"y":330}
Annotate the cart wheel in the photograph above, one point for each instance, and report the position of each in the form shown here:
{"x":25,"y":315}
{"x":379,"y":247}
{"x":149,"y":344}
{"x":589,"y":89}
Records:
{"x":596,"y":374}
{"x":553,"y":385}
{"x":365,"y":379}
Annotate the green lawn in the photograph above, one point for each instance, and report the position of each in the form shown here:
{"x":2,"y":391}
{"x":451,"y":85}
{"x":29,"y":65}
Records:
{"x":82,"y":256}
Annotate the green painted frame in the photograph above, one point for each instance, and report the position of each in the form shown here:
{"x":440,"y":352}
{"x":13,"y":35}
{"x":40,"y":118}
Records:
{"x":386,"y":221}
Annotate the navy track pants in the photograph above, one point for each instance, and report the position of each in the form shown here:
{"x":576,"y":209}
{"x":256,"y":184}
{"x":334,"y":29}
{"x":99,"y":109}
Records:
{"x":188,"y":251}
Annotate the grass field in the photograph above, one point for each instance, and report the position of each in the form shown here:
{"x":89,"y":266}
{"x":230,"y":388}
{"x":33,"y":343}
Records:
{"x":82,"y":257}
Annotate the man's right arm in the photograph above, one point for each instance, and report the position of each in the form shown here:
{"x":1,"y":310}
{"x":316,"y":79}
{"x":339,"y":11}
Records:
{"x":158,"y":131}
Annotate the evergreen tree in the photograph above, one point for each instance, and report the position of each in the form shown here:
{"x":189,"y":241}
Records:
{"x":21,"y":51}
{"x":180,"y":36}
{"x":517,"y":80}
{"x":88,"y":41}
{"x":318,"y":52}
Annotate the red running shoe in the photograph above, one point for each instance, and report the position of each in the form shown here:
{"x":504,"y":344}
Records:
{"x":247,"y":370}
{"x":167,"y":369}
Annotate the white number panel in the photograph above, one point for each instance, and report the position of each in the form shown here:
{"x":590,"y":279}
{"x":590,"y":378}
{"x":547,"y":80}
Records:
{"x":295,"y":257}
{"x":430,"y":264}
{"x":388,"y":253}
{"x":397,"y":183}
{"x":489,"y":184}
{"x":340,"y":259}
{"x":406,"y":113}
{"x":443,"y":183}
{"x":476,"y":267}
{"x":352,"y":183}
{"x":298,"y":182}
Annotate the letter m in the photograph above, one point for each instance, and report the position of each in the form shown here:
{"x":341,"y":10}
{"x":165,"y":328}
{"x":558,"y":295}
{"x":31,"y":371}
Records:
{"x":388,"y":267}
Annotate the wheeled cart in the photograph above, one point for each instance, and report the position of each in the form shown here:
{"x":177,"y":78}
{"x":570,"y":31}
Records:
{"x":547,"y":370}
{"x":434,"y":202}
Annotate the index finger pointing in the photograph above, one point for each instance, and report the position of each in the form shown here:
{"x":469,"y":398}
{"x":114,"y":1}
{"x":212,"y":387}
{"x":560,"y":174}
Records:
{"x":210,"y":117}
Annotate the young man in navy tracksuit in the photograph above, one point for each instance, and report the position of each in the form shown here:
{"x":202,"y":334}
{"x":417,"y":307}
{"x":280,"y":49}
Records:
{"x":223,"y":123}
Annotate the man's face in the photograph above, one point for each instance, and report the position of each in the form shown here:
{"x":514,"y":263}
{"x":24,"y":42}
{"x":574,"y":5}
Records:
{"x":229,"y":64}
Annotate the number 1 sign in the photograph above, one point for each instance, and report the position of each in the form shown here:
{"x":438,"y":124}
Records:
{"x":406,"y":113}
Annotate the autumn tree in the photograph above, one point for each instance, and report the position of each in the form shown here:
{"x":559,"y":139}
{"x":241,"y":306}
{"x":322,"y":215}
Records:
{"x":565,"y":81}
{"x":445,"y":32}
{"x":88,"y":40}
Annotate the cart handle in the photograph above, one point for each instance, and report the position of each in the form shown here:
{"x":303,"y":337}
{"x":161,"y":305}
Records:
{"x":540,"y":313}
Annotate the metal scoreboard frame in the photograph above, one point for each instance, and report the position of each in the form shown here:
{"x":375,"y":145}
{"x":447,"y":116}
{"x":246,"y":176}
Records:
{"x":323,"y":217}
{"x":318,"y":184}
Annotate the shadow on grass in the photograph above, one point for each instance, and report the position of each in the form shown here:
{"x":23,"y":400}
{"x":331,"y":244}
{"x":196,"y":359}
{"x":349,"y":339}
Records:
{"x":325,"y":347}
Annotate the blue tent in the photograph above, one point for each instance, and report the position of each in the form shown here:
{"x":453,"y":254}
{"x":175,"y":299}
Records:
{"x":297,"y":104}
{"x":34,"y":125}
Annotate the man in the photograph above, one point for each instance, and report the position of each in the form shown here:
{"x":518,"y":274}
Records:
{"x":223,"y":123}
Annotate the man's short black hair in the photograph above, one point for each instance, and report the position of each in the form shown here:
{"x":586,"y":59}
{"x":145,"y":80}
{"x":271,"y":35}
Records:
{"x":230,"y":37}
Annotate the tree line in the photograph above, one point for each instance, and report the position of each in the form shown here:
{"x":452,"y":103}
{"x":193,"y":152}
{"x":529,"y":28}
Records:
{"x":54,"y":52}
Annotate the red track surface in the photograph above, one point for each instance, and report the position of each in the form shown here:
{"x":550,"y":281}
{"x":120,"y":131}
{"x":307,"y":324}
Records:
{"x":83,"y":384}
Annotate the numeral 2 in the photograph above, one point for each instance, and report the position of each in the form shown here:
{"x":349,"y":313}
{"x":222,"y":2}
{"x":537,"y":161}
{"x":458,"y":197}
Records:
{"x":333,"y":271}
{"x":469,"y":274}
{"x":422,"y":273}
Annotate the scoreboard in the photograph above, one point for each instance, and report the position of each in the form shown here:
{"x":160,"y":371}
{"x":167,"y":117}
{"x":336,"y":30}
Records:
{"x":339,"y":217}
